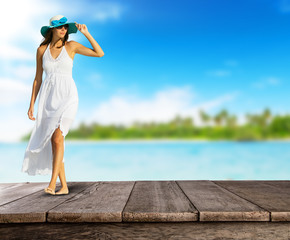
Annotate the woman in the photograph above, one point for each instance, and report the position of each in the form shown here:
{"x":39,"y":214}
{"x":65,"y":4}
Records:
{"x":58,"y":99}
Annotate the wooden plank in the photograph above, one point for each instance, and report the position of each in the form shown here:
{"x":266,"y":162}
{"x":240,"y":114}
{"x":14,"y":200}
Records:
{"x":166,"y":231}
{"x":158,"y":201}
{"x":19,"y":190}
{"x":101,"y":202}
{"x":215,"y":203}
{"x":5,"y":185}
{"x":151,"y":201}
{"x":33,"y":208}
{"x":282,"y":184}
{"x":271,"y":196}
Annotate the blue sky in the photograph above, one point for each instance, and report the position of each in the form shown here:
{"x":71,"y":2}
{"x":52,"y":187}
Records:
{"x":162,"y":58}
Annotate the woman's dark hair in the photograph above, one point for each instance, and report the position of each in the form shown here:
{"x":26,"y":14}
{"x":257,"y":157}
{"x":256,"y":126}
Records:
{"x":48,"y":38}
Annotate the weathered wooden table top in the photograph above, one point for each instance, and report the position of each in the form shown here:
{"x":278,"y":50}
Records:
{"x":147,"y":201}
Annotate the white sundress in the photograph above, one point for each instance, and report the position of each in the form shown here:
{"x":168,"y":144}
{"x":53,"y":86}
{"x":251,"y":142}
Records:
{"x":57,"y":106}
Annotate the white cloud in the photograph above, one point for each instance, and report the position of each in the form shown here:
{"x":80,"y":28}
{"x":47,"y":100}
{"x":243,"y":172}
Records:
{"x":208,"y":105}
{"x":12,"y":92}
{"x":14,"y":123}
{"x":100,"y":11}
{"x":14,"y":103}
{"x":107,"y":10}
{"x":270,"y":81}
{"x":10,"y":52}
{"x":273,"y":81}
{"x":223,"y":72}
{"x":26,"y":24}
{"x":163,"y":106}
{"x":96,"y":80}
{"x":241,"y":118}
{"x":25,"y":72}
{"x":219,"y":73}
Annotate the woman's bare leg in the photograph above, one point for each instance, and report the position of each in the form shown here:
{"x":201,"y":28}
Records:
{"x":57,"y":141}
{"x":61,"y":176}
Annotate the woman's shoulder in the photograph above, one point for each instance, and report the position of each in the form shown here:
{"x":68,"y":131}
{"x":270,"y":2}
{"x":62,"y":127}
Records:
{"x":72,"y":43}
{"x":41,"y":49}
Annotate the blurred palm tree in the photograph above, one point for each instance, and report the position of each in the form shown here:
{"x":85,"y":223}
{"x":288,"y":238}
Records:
{"x":267,"y":116}
{"x":231,"y":121}
{"x":221,"y":117}
{"x":260,"y":120}
{"x":204,"y":117}
{"x":188,"y":122}
{"x":217,"y":119}
{"x":177,"y":121}
{"x":224,"y":116}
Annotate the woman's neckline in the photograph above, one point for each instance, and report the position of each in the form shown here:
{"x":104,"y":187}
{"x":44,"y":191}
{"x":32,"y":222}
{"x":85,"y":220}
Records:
{"x":55,"y":59}
{"x":58,"y":54}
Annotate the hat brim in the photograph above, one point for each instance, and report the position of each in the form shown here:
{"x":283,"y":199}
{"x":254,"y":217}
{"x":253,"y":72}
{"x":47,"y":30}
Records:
{"x":71,"y":28}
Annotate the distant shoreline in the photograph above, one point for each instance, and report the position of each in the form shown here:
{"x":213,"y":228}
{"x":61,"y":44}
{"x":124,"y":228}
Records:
{"x":175,"y":140}
{"x":169,"y":140}
{"x":158,"y":140}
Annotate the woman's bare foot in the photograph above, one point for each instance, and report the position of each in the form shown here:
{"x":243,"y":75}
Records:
{"x":49,"y":190}
{"x":62,"y":191}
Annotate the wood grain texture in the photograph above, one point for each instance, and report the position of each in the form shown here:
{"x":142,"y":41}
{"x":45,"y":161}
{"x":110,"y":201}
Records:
{"x":158,"y":201}
{"x":9,"y":193}
{"x":148,"y":201}
{"x":101,"y":202}
{"x":273,"y":196}
{"x":5,"y":185}
{"x":33,"y":207}
{"x":215,"y":203}
{"x":152,"y":231}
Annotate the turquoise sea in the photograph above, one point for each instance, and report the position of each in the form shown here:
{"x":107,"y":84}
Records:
{"x":158,"y":160}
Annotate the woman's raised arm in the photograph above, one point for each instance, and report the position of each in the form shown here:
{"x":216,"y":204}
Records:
{"x":81,"y":49}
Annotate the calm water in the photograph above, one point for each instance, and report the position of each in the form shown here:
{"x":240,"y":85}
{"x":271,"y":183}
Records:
{"x":154,"y":160}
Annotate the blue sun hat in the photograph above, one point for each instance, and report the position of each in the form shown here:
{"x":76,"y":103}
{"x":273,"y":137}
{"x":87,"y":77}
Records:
{"x":56,"y":21}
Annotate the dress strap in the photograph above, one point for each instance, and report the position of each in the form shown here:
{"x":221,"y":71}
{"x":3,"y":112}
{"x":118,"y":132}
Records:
{"x":59,"y":55}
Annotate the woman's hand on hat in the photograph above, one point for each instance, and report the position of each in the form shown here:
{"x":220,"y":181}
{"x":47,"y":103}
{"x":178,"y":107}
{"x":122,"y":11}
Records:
{"x":82,"y":28}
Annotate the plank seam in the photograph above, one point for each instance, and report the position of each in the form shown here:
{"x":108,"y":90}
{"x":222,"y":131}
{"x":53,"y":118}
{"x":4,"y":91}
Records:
{"x":127,"y":200}
{"x":244,"y":199}
{"x":198,"y":213}
{"x":46,"y":216}
{"x":21,"y":197}
{"x":273,"y":186}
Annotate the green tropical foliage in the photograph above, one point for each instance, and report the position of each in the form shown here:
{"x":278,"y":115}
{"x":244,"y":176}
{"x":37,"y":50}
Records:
{"x":220,"y":126}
